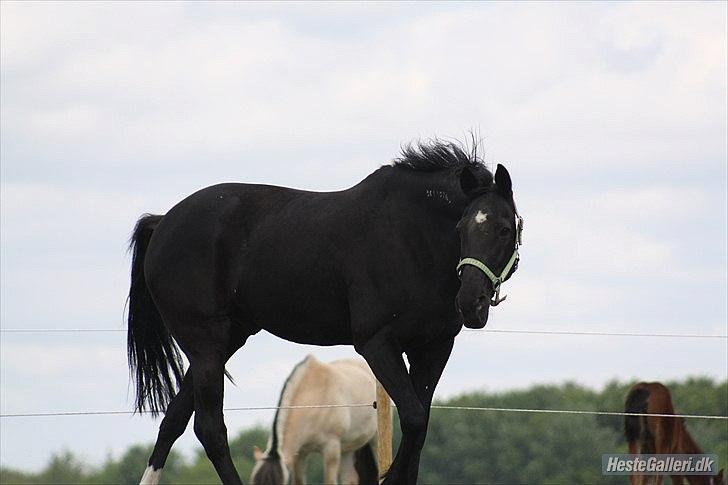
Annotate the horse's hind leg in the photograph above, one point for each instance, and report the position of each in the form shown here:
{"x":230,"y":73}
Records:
{"x":208,"y":374}
{"x":173,"y":425}
{"x":213,"y":344}
{"x":179,"y":412}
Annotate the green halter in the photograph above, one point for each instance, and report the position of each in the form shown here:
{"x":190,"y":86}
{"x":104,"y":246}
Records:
{"x":497,"y":280}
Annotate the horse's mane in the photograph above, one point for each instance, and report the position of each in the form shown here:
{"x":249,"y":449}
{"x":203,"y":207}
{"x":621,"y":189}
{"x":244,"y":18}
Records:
{"x":289,"y":388}
{"x":436,"y":155}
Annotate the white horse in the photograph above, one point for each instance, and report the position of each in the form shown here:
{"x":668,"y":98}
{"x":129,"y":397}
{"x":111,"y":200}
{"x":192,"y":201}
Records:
{"x":345,"y":436}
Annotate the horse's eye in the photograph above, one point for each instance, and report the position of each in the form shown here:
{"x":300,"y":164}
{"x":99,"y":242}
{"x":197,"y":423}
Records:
{"x":504,"y":231}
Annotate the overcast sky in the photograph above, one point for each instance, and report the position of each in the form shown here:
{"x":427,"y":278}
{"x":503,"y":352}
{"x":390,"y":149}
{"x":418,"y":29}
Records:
{"x":610,"y":117}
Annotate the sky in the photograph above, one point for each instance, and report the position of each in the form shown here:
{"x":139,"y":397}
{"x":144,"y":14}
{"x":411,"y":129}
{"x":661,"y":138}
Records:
{"x":611,"y":118}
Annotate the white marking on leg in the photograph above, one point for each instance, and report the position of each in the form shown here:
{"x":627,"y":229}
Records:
{"x":481,"y":217}
{"x":151,"y":476}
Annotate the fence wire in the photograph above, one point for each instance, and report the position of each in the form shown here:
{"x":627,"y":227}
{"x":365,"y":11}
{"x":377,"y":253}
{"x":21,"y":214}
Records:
{"x":434,"y":406}
{"x":373,"y":405}
{"x":495,"y":330}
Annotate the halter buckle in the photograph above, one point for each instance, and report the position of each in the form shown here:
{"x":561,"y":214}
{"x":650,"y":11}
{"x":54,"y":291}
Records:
{"x":496,"y":300}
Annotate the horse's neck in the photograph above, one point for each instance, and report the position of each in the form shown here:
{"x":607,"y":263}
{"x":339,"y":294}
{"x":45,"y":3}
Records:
{"x":292,"y":432}
{"x":428,"y":203}
{"x":290,"y":439}
{"x":285,"y":437}
{"x":414,"y":187}
{"x":290,"y":447}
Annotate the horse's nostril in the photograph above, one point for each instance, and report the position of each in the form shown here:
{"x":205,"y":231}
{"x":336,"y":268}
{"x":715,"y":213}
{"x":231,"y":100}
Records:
{"x":481,"y":302}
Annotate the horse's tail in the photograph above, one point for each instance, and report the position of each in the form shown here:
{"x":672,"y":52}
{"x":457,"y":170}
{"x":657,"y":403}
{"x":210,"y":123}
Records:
{"x":366,"y":465}
{"x":635,"y":427}
{"x":154,"y":360}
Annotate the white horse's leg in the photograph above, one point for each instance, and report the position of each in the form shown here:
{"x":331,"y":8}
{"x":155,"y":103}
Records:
{"x":332,"y":459}
{"x":151,"y":476}
{"x":299,"y":469}
{"x":349,"y":476}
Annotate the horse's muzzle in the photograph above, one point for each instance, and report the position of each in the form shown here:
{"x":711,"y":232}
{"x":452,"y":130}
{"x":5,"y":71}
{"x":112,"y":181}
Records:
{"x":473,"y":312}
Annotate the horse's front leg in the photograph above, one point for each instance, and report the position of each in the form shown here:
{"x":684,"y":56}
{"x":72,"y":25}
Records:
{"x":384,"y":357}
{"x":332,"y":459}
{"x":298,"y":467}
{"x":426,"y":366}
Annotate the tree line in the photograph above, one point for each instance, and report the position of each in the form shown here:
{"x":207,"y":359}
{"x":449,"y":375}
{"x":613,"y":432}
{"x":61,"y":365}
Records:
{"x":463,"y":447}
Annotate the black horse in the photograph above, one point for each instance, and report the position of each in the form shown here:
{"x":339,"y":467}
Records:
{"x":373,"y":266}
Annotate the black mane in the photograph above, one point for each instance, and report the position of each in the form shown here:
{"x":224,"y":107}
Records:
{"x":436,"y":155}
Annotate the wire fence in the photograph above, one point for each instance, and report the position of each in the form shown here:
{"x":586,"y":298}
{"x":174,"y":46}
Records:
{"x":504,"y":331}
{"x":374,"y":405}
{"x":435,"y":406}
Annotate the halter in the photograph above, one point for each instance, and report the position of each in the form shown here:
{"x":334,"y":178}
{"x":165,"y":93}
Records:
{"x":497,"y":280}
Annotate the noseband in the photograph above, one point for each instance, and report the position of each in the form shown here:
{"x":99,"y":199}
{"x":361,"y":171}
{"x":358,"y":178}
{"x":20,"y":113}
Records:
{"x":497,"y":280}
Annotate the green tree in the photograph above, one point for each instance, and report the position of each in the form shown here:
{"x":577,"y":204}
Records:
{"x":63,"y":468}
{"x":462,"y":446}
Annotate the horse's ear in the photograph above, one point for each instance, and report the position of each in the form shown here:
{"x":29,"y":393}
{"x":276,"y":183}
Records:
{"x":468,"y":180}
{"x":257,"y":454}
{"x":503,"y":181}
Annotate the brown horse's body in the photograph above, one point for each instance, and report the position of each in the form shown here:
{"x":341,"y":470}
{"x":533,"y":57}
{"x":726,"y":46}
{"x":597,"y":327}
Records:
{"x":658,"y":435}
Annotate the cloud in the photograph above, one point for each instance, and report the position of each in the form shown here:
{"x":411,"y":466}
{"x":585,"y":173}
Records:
{"x":610,"y":117}
{"x":57,"y":362}
{"x":166,"y":85}
{"x":649,"y":203}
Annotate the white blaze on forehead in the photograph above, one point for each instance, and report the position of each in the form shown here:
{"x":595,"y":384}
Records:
{"x":481,"y":217}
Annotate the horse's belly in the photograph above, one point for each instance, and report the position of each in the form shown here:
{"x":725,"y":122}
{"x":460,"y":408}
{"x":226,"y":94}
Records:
{"x":324,"y":322}
{"x":313,"y":333}
{"x":295,"y":295}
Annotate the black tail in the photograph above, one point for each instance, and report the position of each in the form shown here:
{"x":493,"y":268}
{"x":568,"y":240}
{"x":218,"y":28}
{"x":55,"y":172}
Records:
{"x":636,"y":402}
{"x":154,"y":359}
{"x":366,"y":465}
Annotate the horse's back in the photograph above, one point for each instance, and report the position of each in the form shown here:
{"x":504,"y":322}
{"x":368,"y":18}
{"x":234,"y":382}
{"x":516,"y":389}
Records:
{"x":219,"y":217}
{"x":196,"y":247}
{"x":344,"y":381}
{"x":240,"y":250}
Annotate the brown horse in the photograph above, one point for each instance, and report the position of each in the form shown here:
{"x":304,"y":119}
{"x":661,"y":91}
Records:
{"x":657,"y":435}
